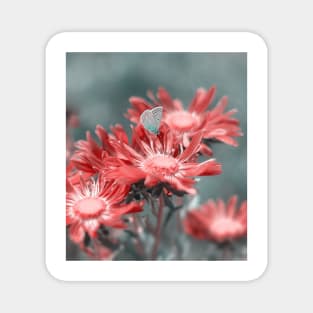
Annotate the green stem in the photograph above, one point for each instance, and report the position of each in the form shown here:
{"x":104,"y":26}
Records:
{"x":156,"y":245}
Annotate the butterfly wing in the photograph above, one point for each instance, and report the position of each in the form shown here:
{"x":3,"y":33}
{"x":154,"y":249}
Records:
{"x":148,"y":121}
{"x":157,"y":115}
{"x":151,"y":119}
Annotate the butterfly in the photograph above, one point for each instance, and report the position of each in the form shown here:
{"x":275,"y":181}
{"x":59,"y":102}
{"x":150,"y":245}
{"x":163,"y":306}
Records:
{"x":151,"y":119}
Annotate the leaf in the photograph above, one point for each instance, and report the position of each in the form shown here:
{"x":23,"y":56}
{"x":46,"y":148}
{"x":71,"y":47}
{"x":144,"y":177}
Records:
{"x":157,"y":190}
{"x":178,"y":193}
{"x":131,"y":233}
{"x":107,"y":243}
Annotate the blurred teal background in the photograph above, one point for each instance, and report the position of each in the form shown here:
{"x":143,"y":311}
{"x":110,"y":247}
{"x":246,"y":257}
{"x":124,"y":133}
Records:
{"x":100,"y":84}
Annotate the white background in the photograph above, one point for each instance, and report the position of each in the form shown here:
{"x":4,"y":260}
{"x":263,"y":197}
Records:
{"x":25,"y":28}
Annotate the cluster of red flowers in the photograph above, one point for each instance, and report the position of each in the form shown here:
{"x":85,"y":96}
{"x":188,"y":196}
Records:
{"x":111,"y":179}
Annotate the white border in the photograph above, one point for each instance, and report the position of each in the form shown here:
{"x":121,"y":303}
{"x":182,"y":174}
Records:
{"x":257,"y":178}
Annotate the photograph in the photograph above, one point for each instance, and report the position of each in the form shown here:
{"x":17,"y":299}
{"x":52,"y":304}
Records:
{"x":156,"y":156}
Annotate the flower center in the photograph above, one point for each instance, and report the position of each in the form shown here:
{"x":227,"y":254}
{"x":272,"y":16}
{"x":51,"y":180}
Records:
{"x":182,"y":120}
{"x":161,"y":165}
{"x":225,"y":226}
{"x":89,"y":207}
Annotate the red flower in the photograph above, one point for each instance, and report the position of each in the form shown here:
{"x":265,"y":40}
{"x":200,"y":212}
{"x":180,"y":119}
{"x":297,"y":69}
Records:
{"x":93,"y":203}
{"x":158,"y":158}
{"x":215,"y":124}
{"x":89,"y":155}
{"x":215,"y":221}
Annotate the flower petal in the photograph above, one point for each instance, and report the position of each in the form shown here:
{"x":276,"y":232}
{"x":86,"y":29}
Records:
{"x":91,"y":226}
{"x":125,"y":174}
{"x":119,"y":133}
{"x":183,"y":184}
{"x":202,"y":100}
{"x":207,"y":168}
{"x":228,"y":140}
{"x":220,"y":107}
{"x":192,"y":148}
{"x":231,"y":206}
{"x":205,"y":150}
{"x":140,"y":104}
{"x":151,"y":181}
{"x":165,"y":99}
{"x":76,"y":232}
{"x":195,"y":226}
{"x":132,"y":207}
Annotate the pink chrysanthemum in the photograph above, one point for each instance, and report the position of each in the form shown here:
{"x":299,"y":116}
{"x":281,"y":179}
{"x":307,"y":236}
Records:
{"x":215,"y":124}
{"x":93,"y":203}
{"x":158,"y":159}
{"x":217,"y":221}
{"x":89,"y":157}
